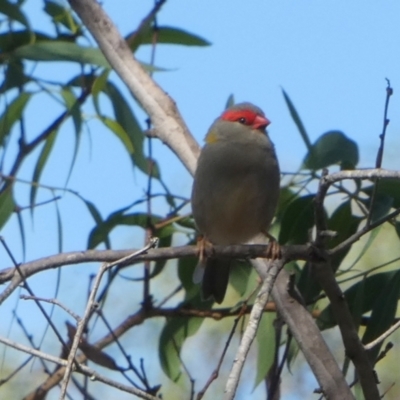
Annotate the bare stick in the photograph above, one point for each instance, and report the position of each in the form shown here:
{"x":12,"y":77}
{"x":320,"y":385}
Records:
{"x":379,"y":156}
{"x":383,"y":336}
{"x":53,"y":301}
{"x":251,"y":329}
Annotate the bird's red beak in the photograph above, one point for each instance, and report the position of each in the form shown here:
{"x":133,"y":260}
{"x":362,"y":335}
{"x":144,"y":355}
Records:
{"x":260,"y":122}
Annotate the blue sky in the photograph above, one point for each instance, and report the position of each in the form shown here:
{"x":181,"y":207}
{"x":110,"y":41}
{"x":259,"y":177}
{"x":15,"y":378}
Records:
{"x":331,"y":57}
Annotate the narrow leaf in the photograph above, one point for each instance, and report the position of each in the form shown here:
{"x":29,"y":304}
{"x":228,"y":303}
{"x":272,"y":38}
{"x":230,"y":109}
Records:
{"x":125,"y":117}
{"x":120,"y":132}
{"x":165,"y":35}
{"x":43,"y":157}
{"x":61,"y":15}
{"x":62,"y":51}
{"x":296,"y":118}
{"x":172,"y":338}
{"x":12,"y":40}
{"x":372,"y":287}
{"x":383,"y":313}
{"x":73,"y":106}
{"x":389,"y":187}
{"x":266,"y":340}
{"x":13,"y":11}
{"x":7,"y":205}
{"x":297,"y":219}
{"x":12,"y":114}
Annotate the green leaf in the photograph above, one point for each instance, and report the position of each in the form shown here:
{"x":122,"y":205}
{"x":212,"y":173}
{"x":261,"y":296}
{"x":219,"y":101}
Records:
{"x":12,"y":40}
{"x":286,"y":196}
{"x":7,"y":205}
{"x":100,"y":232}
{"x":296,"y":118}
{"x":240,"y":276}
{"x":230,"y":101}
{"x":63,"y":16}
{"x":381,"y":206}
{"x":373,"y":287}
{"x":73,"y":107}
{"x":169,"y":35}
{"x":12,"y":114}
{"x":345,"y":224}
{"x":165,"y":35}
{"x":297,"y":219}
{"x":333,"y":147}
{"x":372,"y":236}
{"x":293,"y":352}
{"x":383,"y":313}
{"x":14,"y":76}
{"x":356,"y":306}
{"x":173,"y":336}
{"x":120,"y":132}
{"x":22,"y":233}
{"x":43,"y":157}
{"x":98,"y":86}
{"x":13,"y":11}
{"x":266,"y":339}
{"x":59,"y":229}
{"x":62,"y":51}
{"x":186,"y":267}
{"x":126,"y":118}
{"x":389,"y":187}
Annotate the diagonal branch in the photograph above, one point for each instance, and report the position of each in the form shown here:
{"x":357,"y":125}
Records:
{"x":165,"y":117}
{"x":251,"y":328}
{"x":82,"y":368}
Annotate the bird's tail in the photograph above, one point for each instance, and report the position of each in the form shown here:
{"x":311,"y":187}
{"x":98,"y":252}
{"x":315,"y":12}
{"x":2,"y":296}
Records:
{"x":214,"y":274}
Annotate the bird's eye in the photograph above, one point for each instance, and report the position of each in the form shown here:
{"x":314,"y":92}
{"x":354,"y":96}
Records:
{"x":242,"y":120}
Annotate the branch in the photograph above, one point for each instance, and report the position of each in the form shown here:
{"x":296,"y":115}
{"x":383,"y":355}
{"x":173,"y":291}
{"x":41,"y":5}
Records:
{"x":324,"y":275}
{"x":384,"y":335}
{"x":251,"y":328}
{"x":82,"y":368}
{"x":293,"y":252}
{"x":310,"y":340}
{"x":165,"y":117}
{"x":89,"y":309}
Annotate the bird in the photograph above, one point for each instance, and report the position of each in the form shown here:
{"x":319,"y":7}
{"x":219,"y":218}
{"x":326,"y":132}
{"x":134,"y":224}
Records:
{"x":235,"y":189}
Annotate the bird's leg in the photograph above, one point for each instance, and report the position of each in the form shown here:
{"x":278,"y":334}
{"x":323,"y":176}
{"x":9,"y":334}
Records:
{"x":274,"y":249}
{"x":202,"y":244}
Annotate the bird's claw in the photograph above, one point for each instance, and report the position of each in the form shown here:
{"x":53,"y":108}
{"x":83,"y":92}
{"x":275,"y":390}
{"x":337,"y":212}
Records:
{"x":202,"y":244}
{"x":273,"y":250}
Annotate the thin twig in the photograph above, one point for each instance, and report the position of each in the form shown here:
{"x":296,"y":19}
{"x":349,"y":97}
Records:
{"x":382,"y":337}
{"x":82,"y":368}
{"x":89,"y":309}
{"x":30,"y":291}
{"x":52,"y":301}
{"x":379,"y":156}
{"x":215,"y":373}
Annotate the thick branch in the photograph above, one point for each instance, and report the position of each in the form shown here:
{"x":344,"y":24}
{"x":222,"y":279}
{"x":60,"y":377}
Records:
{"x":293,"y":252}
{"x":168,"y":123}
{"x":309,"y":339}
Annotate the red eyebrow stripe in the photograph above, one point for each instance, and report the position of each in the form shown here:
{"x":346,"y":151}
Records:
{"x":234,"y":115}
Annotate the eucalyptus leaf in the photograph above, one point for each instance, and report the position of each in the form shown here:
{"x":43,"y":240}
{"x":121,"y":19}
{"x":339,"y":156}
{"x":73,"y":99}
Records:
{"x":13,"y":113}
{"x":333,"y":147}
{"x":7,"y":205}
{"x":297,"y":219}
{"x":39,"y":167}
